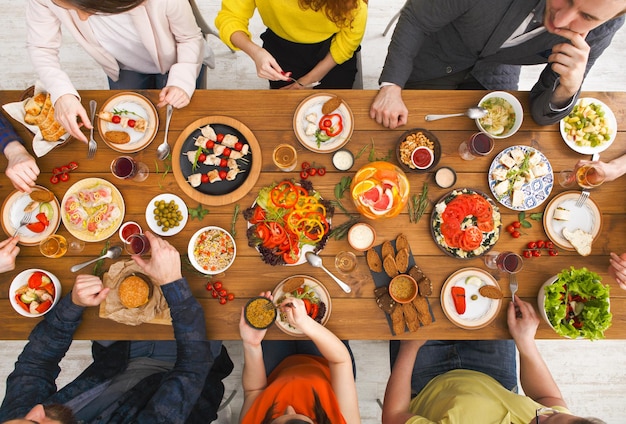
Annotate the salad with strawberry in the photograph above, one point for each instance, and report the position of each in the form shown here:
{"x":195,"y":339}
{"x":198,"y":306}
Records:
{"x":286,"y":220}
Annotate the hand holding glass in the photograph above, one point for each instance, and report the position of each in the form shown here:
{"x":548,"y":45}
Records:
{"x":587,"y":176}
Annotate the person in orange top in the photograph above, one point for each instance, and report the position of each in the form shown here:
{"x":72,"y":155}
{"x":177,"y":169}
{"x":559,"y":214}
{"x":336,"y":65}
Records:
{"x":297,"y":381}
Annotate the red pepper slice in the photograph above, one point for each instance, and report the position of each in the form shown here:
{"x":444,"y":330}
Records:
{"x":24,"y":306}
{"x":331,"y":124}
{"x":284,"y":195}
{"x":458,"y":296}
{"x":44,"y":306}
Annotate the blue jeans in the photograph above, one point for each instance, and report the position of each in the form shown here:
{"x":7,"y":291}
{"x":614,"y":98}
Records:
{"x":274,"y":351}
{"x":132,"y":80}
{"x":496,"y":358}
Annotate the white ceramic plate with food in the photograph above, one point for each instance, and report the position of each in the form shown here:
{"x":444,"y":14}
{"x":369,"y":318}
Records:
{"x":584,"y":147}
{"x":167,"y":198}
{"x":504,"y":114}
{"x":587,"y":218}
{"x":535,"y":191}
{"x":21,"y":280}
{"x":311,"y":108}
{"x":131,"y":106}
{"x":13,"y":211}
{"x":480,"y":310}
{"x":211,"y":250}
{"x":316,"y":293}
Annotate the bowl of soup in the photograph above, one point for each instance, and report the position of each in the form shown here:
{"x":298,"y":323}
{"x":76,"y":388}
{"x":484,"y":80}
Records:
{"x":504,"y":114}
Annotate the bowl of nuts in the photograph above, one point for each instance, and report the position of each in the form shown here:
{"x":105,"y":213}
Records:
{"x":418,"y":150}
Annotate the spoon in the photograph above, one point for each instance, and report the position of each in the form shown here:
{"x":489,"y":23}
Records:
{"x":164,"y":149}
{"x":475,"y":112}
{"x":316,"y":261}
{"x":112,"y":253}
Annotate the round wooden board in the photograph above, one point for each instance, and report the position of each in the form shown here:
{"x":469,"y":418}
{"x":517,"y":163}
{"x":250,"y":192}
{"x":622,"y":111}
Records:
{"x":243,"y":189}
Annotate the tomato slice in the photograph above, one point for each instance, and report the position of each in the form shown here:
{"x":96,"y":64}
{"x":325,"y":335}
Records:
{"x":472,"y":237}
{"x":450,"y":227}
{"x":485,"y":226}
{"x":258,"y":215}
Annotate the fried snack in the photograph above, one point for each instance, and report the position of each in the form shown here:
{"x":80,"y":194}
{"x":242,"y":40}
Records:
{"x":423,"y":313}
{"x":33,"y":107}
{"x":331,"y":104}
{"x":416,"y":273}
{"x":117,"y":137}
{"x":384,"y":300}
{"x":292,"y":284}
{"x":402,"y":260}
{"x":402,"y":242}
{"x":53,"y":133}
{"x":389,"y":265}
{"x":39,"y":111}
{"x":397,"y":319}
{"x":46,"y":110}
{"x":134,"y":292}
{"x":425,"y":286}
{"x":41,"y":196}
{"x":373,"y":261}
{"x":411,"y":317}
{"x":492,"y":292}
{"x":387,"y":249}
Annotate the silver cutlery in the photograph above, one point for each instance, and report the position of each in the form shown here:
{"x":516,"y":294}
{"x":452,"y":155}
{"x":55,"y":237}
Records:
{"x":584,"y":195}
{"x":313,"y":84}
{"x":513,"y":286}
{"x":92,"y":146}
{"x":316,"y":261}
{"x":163,"y":150}
{"x":475,"y":112}
{"x":24,"y":221}
{"x":112,"y":253}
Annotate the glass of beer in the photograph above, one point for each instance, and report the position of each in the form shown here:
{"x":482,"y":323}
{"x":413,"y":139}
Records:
{"x":479,"y":144}
{"x":285,"y":157}
{"x":589,"y":176}
{"x":53,"y":246}
{"x":127,"y":168}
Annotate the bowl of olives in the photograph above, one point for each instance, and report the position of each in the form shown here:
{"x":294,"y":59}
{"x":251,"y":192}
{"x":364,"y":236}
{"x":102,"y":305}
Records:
{"x":166,"y":214}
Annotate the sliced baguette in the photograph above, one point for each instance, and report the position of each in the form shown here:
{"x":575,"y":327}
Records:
{"x":581,"y":240}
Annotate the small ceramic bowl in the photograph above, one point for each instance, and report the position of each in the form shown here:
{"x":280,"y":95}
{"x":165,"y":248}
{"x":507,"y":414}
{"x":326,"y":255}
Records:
{"x":412,"y":140}
{"x":129,"y":228}
{"x":403,"y":288}
{"x":361,"y":236}
{"x":21,"y":280}
{"x":422,"y":157}
{"x":256,"y":314}
{"x":445,"y":177}
{"x":517,"y":109}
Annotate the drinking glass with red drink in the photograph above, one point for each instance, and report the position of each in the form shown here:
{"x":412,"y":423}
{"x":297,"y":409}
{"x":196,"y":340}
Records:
{"x":508,"y":262}
{"x":127,"y":168}
{"x":479,"y":144}
{"x":137,"y":244}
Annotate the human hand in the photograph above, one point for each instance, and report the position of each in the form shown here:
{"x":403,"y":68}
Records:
{"x":523,"y":322}
{"x":66,"y":109}
{"x":617,"y":269}
{"x":266,"y":65}
{"x":250,"y":335}
{"x":388,"y":108}
{"x":8,"y":252}
{"x":164,"y":264}
{"x":611,"y":172}
{"x":174,"y":96}
{"x":570,"y":60}
{"x":88,"y":291}
{"x":296,"y":314}
{"x":22,"y":169}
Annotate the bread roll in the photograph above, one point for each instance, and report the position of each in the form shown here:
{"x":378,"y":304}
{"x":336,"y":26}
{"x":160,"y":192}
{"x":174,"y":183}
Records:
{"x":134,"y":292}
{"x":117,"y":137}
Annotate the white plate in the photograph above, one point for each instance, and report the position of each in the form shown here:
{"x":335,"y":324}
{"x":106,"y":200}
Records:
{"x":313,"y":104}
{"x":535,"y":192}
{"x":13,"y":210}
{"x":167,"y":197}
{"x":480,"y":312}
{"x":319,"y":290}
{"x":22,"y":279}
{"x":139,"y":106}
{"x":587,"y":217}
{"x":192,"y":257}
{"x":611,"y":122}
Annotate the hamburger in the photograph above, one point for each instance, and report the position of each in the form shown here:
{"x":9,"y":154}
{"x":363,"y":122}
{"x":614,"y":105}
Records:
{"x":134,"y":292}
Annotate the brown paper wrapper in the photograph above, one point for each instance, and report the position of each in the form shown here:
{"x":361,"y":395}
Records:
{"x":156,"y":311}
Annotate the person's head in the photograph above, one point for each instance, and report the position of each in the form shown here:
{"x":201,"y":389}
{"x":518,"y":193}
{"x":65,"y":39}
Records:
{"x":581,"y":16}
{"x":86,"y":8}
{"x":552,"y":416}
{"x":48,"y":414}
{"x":290,"y":416}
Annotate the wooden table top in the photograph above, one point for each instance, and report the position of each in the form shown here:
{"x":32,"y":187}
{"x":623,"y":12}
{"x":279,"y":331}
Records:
{"x":354,"y":316}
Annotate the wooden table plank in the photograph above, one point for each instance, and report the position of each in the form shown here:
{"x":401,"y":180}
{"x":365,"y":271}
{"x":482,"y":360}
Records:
{"x":355,"y":316}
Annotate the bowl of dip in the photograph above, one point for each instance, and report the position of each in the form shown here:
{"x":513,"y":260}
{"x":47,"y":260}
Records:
{"x":403,"y":288}
{"x":422,"y":157}
{"x":445,"y":177}
{"x":361,"y":236}
{"x":343,"y":159}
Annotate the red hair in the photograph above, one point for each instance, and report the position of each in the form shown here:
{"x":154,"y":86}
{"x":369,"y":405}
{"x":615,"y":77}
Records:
{"x":338,"y":11}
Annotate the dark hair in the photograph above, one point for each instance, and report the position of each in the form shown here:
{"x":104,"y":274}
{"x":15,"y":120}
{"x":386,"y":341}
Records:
{"x":320,"y":415}
{"x":61,"y":413}
{"x":105,"y":6}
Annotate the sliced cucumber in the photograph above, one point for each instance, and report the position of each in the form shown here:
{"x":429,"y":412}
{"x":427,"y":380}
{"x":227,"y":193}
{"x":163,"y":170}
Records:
{"x":46,"y":208}
{"x":473,"y":281}
{"x":28,"y":297}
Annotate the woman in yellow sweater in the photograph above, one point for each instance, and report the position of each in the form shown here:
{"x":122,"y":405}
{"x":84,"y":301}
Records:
{"x":306,"y":41}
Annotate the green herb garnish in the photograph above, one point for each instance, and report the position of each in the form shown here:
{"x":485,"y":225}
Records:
{"x":198,"y":212}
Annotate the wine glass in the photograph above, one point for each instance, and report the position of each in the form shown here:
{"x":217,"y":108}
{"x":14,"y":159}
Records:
{"x":509,"y":262}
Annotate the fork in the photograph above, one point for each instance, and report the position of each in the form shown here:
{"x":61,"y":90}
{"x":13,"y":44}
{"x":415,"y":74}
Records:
{"x":584,"y":195}
{"x":25,"y":221}
{"x":313,"y":84}
{"x":513,"y":286}
{"x":92,"y":146}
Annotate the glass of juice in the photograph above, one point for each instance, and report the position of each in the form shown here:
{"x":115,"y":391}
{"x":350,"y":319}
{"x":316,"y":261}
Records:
{"x":53,"y":246}
{"x":137,"y":244}
{"x":127,"y":168}
{"x":380,"y":190}
{"x":589,"y":176}
{"x":345,"y":261}
{"x":479,"y":144}
{"x":508,"y":262}
{"x":285,"y":157}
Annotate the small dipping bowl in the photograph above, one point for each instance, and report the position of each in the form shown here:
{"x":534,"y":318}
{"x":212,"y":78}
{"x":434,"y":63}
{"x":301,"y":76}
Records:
{"x":403,"y":288}
{"x":361,"y":236}
{"x":256,"y":315}
{"x":128,"y":229}
{"x":422,"y":157}
{"x":343,"y":159}
{"x":445,"y":177}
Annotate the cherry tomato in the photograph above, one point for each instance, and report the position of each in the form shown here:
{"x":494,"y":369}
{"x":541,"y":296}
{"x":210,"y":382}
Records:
{"x":304,"y":175}
{"x":516,"y":224}
{"x":64,"y":177}
{"x":230,"y":296}
{"x":56,"y":171}
{"x":536,"y":253}
{"x":210,"y":144}
{"x":553,"y":252}
{"x":209,"y":286}
{"x":204,"y":178}
{"x":312,"y":171}
{"x":201,"y":158}
{"x":532,"y":245}
{"x":549,"y":245}
{"x":214,"y":294}
{"x":541,"y":243}
{"x":321,"y":171}
{"x":222,"y":301}
{"x":217,"y":285}
{"x":220,"y":137}
{"x":116,"y":119}
{"x":54,"y":179}
{"x":238,"y":146}
{"x":306,"y":165}
{"x":223,"y":293}
{"x":226,"y":152}
{"x":516,"y":234}
{"x":72,"y":165}
{"x":510,"y":228}
{"x":65,"y":169}
{"x":131,"y":123}
{"x":527,"y":253}
{"x":223,"y":163}
{"x":222,"y":174}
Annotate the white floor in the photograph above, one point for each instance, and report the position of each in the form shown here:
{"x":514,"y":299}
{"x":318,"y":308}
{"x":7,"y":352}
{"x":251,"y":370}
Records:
{"x":590,"y":374}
